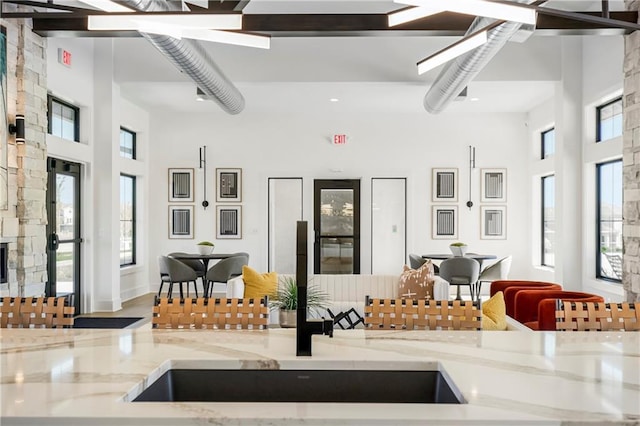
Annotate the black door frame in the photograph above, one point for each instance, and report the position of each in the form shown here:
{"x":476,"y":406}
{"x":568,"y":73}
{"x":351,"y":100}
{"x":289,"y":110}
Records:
{"x":318,"y":186}
{"x":56,"y":166}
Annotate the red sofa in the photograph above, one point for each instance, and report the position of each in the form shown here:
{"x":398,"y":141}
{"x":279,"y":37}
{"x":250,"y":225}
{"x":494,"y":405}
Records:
{"x":510,"y":288}
{"x":537,"y":308}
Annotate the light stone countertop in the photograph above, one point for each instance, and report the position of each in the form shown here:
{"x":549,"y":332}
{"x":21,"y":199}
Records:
{"x":69,"y":377}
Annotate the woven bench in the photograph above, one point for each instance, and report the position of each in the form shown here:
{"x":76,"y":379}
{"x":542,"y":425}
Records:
{"x":410,"y":314}
{"x":596,"y":316}
{"x":210,"y":313}
{"x":36,"y":312}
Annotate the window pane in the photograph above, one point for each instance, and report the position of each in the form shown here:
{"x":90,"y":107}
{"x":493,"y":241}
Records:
{"x":127,"y":220}
{"x":610,"y":220}
{"x":63,"y":120}
{"x":548,"y":143}
{"x":127,"y":144}
{"x":610,"y":120}
{"x":548,"y":220}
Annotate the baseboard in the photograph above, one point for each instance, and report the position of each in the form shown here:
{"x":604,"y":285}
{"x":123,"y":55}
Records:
{"x":107,"y":305}
{"x":134,"y":292}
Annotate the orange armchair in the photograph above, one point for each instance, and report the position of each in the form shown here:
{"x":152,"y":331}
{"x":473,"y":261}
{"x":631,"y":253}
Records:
{"x":537,"y":308}
{"x":511,"y":287}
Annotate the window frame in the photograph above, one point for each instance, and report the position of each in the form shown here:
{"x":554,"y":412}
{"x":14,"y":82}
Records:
{"x":543,"y":153}
{"x":134,"y":142}
{"x":134,"y":242}
{"x":599,"y":275}
{"x":76,"y":119}
{"x":542,"y":219}
{"x":599,"y":109}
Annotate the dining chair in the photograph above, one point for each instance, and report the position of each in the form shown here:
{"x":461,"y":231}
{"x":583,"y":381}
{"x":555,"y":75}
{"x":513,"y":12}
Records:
{"x":416,"y":261}
{"x":460,"y":271}
{"x":224,"y":270}
{"x":195,"y":264}
{"x":174,"y":271}
{"x":495,"y":272}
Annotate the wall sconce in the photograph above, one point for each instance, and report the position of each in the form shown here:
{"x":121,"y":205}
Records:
{"x":472,"y":166}
{"x":203,"y":166}
{"x":18,"y":129}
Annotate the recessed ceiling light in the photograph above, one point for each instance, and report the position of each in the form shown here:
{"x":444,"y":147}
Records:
{"x":334,"y":100}
{"x":475,"y":99}
{"x":200,"y":99}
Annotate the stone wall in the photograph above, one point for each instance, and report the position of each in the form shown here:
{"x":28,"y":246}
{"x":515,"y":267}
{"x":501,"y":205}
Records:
{"x":631,"y":162}
{"x":24,"y":223}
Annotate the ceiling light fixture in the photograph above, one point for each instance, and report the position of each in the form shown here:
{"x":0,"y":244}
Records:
{"x":411,"y":14}
{"x":107,"y":5}
{"x":488,"y":9}
{"x":334,"y":100}
{"x":458,"y":48}
{"x":191,"y":22}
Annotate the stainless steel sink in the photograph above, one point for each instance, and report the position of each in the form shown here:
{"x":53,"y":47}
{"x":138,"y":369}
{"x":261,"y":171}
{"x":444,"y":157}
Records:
{"x":302,"y":385}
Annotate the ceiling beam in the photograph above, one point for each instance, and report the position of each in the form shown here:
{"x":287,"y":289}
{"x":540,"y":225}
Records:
{"x":313,"y":25}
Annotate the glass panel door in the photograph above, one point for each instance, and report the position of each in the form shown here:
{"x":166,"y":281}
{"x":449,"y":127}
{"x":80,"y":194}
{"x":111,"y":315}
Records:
{"x":337,"y":227}
{"x":63,"y":229}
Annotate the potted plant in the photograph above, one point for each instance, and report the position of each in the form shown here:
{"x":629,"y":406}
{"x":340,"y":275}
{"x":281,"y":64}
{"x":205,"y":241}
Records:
{"x":286,"y":300}
{"x":205,"y":247}
{"x":458,"y":249}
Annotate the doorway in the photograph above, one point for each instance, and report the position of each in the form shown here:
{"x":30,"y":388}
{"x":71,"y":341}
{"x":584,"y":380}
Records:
{"x":336,"y":226}
{"x":63,"y":230}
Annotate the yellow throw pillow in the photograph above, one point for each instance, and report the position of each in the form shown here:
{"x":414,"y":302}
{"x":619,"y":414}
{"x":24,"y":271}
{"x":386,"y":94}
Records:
{"x":416,"y":283}
{"x":494,"y":313}
{"x":258,"y":285}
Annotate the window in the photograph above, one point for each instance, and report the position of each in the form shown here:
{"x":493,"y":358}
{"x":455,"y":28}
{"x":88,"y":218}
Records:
{"x":548,"y":143}
{"x":548,"y":220}
{"x":64,"y":120}
{"x":609,"y":120}
{"x":127,"y":220}
{"x":127,"y":144}
{"x":609,"y":220}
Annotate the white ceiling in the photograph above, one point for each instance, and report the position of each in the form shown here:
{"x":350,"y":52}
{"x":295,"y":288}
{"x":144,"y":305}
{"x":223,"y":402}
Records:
{"x":365,"y":73}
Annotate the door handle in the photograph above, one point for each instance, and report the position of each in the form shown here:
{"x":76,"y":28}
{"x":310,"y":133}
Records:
{"x":53,"y":242}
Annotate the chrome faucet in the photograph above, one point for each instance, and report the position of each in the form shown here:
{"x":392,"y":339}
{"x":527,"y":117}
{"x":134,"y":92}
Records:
{"x":305,"y":328}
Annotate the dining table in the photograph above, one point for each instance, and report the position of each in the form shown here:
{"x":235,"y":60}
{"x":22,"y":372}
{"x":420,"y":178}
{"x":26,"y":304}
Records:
{"x":479,"y":257}
{"x":205,"y":258}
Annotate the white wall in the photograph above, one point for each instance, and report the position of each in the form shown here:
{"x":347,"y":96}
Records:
{"x":75,"y":85}
{"x":384,"y":145}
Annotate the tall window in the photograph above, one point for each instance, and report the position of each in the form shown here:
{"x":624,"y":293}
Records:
{"x":548,"y":220}
{"x":548,"y":140}
{"x":64,"y":119}
{"x":127,"y":220}
{"x":609,"y":120}
{"x":609,"y":213}
{"x":127,"y":144}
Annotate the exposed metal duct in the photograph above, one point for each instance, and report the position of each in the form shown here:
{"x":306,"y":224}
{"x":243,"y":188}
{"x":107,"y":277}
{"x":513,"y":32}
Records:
{"x":191,"y":58}
{"x":457,"y":74}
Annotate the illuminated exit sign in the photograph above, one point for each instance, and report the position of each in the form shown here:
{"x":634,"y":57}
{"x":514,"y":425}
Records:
{"x":339,"y":139}
{"x":64,"y":57}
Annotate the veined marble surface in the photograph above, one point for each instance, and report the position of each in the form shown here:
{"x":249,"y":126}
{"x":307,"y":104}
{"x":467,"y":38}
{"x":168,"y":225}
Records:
{"x":65,"y":377}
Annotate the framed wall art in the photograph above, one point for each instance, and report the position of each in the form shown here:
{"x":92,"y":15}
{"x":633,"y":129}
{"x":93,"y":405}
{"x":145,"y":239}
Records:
{"x":444,"y":222}
{"x":444,"y":185}
{"x":493,"y":184}
{"x":229,"y":222}
{"x":181,"y":185}
{"x":180,"y":222}
{"x":229,"y":185}
{"x":493,"y":224}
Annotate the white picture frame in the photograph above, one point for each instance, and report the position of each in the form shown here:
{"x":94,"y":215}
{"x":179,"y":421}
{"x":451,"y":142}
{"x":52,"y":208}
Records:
{"x":493,"y":222}
{"x":444,"y":185}
{"x":181,"y":185}
{"x":228,"y":222}
{"x":444,"y":222}
{"x":228,"y":185}
{"x":493,"y":185}
{"x":181,"y":222}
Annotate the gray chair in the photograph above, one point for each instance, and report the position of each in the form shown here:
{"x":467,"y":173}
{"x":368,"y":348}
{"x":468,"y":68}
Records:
{"x":224,"y":270}
{"x":495,"y":272}
{"x":173,"y":271}
{"x":460,"y":271}
{"x":195,"y":264}
{"x":416,"y":261}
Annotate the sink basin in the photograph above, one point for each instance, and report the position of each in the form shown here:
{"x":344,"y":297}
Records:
{"x":302,"y":385}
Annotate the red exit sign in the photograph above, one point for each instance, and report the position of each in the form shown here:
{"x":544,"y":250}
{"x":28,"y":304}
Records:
{"x":339,"y":139}
{"x":64,"y":57}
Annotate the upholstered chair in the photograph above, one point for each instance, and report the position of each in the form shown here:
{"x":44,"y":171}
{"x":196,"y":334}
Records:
{"x":460,"y":271}
{"x":537,"y":308}
{"x":497,"y":271}
{"x":195,"y":264}
{"x":224,"y":270}
{"x":174,"y":271}
{"x":510,"y":288}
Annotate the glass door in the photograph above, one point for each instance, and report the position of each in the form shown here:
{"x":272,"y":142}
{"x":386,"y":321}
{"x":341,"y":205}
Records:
{"x":63,"y":229}
{"x":337,"y":227}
